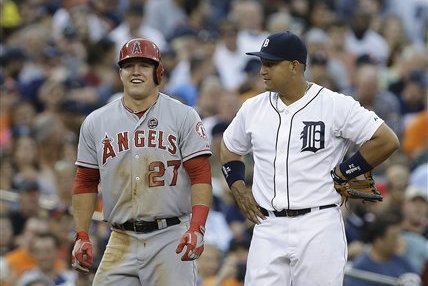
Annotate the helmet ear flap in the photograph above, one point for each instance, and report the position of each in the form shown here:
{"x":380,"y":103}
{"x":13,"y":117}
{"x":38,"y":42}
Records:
{"x":159,"y":70}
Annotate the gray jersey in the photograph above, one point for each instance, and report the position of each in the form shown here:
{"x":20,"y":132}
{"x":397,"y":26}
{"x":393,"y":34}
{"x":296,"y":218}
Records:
{"x":141,"y":160}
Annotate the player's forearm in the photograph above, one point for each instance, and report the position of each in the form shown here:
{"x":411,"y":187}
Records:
{"x":83,"y":206}
{"x":383,"y":143}
{"x":201,"y":194}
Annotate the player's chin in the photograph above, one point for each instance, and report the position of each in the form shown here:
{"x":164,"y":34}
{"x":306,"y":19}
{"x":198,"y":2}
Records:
{"x":137,"y":94}
{"x":268,"y":85}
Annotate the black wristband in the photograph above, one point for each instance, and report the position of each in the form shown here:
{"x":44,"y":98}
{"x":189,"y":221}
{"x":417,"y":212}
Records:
{"x":233,"y":171}
{"x":354,"y":166}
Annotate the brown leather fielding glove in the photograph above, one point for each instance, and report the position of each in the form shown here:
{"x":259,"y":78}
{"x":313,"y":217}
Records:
{"x":361,"y":187}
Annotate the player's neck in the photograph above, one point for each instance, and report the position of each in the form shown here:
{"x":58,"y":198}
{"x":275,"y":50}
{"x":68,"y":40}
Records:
{"x":294,"y":91}
{"x":139,"y":105}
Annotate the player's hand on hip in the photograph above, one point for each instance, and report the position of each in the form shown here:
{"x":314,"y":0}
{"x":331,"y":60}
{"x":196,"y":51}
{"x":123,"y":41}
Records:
{"x":246,"y":202}
{"x":81,"y":256}
{"x":193,"y":243}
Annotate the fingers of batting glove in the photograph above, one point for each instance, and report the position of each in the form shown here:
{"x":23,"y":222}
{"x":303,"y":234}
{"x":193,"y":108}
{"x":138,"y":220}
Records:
{"x":82,"y":254}
{"x":193,"y":242}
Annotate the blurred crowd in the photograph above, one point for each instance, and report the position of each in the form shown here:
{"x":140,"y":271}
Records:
{"x":58,"y":63}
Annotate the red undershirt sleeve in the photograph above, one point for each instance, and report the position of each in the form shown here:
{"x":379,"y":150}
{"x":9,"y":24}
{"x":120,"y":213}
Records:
{"x":86,"y":180}
{"x":199,"y":170}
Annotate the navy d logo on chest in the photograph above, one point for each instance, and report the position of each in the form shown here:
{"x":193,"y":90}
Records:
{"x":312,"y":136}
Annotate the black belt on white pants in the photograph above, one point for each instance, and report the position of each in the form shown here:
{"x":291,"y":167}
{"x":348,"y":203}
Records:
{"x":294,"y":213}
{"x":140,"y":226}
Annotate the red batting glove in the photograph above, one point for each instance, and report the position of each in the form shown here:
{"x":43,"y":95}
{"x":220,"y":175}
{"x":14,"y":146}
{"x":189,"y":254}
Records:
{"x":81,"y":256}
{"x":193,"y":239}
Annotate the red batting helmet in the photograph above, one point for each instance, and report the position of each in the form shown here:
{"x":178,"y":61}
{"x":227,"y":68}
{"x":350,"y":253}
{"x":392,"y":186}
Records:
{"x":142,"y":48}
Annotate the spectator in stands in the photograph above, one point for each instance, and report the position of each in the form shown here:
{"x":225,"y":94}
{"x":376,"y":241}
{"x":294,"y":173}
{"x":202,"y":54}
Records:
{"x":12,"y":61}
{"x":253,"y":83}
{"x":392,"y":30}
{"x":207,"y":103}
{"x":361,"y":39}
{"x":9,"y":98}
{"x":156,"y":10}
{"x":232,"y":74}
{"x":280,"y":21}
{"x":28,"y":205}
{"x":415,"y":226}
{"x":133,"y":27}
{"x":249,"y":17}
{"x":337,"y":32}
{"x":188,"y":92}
{"x":20,"y":259}
{"x":6,"y":173}
{"x":319,"y":71}
{"x":7,"y":237}
{"x":412,"y":58}
{"x":214,"y":271}
{"x":397,"y":177}
{"x":369,"y":94}
{"x":44,"y":248}
{"x":318,"y":43}
{"x":415,"y":139}
{"x":358,"y":217}
{"x":62,"y":227}
{"x":82,"y":19}
{"x":35,"y":279}
{"x":383,"y":238}
{"x":414,"y":14}
{"x":419,"y":176}
{"x":320,"y":14}
{"x":413,"y":96}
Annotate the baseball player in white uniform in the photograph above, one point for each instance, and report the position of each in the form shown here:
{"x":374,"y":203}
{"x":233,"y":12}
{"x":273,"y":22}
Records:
{"x":149,"y":154}
{"x":298,"y":132}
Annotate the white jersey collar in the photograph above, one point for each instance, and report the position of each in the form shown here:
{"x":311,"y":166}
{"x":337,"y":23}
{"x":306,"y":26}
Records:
{"x":281,"y":106}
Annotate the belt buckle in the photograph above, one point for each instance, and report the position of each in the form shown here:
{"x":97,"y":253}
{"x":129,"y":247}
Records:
{"x":140,"y":226}
{"x":291,"y":213}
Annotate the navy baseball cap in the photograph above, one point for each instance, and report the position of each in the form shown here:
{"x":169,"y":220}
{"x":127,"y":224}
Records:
{"x":283,"y":46}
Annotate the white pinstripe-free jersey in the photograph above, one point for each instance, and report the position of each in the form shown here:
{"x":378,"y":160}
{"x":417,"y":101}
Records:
{"x":295,"y":147}
{"x":141,"y":160}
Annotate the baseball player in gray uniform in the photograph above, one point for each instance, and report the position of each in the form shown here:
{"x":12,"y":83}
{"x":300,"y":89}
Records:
{"x":149,"y":154}
{"x":298,"y":132}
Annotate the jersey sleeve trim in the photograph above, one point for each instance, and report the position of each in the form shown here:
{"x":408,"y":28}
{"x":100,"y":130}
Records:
{"x":198,"y":153}
{"x":86,"y":181}
{"x":86,"y":164}
{"x":199,"y":170}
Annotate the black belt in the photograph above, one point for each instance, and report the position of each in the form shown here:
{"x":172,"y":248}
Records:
{"x":141,"y":226}
{"x":293,"y":213}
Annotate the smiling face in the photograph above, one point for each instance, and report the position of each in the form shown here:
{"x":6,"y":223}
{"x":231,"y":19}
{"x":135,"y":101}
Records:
{"x":137,"y":76}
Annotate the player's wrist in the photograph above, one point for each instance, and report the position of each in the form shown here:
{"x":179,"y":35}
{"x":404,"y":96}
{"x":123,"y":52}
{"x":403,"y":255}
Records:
{"x":82,"y":235}
{"x":199,"y":218}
